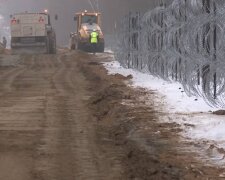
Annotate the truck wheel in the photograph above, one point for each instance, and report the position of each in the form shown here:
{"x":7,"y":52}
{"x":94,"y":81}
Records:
{"x":47,"y":45}
{"x":76,"y":47}
{"x":79,"y":46}
{"x":73,"y":47}
{"x":53,"y":46}
{"x":51,"y":43}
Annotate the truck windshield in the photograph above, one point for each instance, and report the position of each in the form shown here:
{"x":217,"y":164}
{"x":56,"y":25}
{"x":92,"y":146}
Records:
{"x":89,"y":19}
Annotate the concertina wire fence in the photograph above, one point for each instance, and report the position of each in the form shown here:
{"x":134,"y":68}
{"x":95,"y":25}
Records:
{"x":182,"y":42}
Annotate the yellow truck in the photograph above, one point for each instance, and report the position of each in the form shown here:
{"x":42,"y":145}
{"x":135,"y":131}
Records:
{"x":86,"y":22}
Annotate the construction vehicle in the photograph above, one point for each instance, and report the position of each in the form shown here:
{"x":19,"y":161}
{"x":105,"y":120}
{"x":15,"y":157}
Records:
{"x":32,"y":32}
{"x":86,"y":23}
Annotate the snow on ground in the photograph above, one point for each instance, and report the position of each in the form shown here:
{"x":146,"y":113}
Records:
{"x":108,"y":50}
{"x":175,"y":97}
{"x":203,"y":126}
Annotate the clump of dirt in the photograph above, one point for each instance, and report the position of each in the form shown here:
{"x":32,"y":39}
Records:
{"x":219,"y":112}
{"x":119,"y":76}
{"x":94,"y":63}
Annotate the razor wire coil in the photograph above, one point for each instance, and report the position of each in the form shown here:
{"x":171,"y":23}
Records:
{"x":184,"y":41}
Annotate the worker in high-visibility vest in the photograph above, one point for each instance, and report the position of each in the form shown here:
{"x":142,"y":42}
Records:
{"x":94,"y":40}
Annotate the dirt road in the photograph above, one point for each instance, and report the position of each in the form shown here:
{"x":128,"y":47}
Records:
{"x":62,"y":118}
{"x":46,"y":129}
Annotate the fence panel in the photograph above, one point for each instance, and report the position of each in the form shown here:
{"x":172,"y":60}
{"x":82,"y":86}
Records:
{"x":184,"y":41}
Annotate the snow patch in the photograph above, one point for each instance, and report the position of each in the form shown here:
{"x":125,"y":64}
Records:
{"x":108,"y":50}
{"x":192,"y":113}
{"x":177,"y":100}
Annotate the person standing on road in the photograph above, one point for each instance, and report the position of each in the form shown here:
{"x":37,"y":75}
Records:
{"x":94,"y":41}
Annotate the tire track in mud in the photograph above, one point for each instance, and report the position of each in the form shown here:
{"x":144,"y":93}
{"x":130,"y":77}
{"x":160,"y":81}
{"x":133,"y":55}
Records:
{"x":17,"y":93}
{"x":69,"y":149}
{"x":51,"y":163}
{"x":47,"y":131}
{"x":109,"y":155}
{"x":7,"y":78}
{"x":20,"y":123}
{"x":22,"y":115}
{"x":71,"y":133}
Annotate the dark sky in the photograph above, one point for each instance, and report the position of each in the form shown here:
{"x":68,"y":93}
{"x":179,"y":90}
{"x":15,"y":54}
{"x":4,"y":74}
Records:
{"x":112,"y":11}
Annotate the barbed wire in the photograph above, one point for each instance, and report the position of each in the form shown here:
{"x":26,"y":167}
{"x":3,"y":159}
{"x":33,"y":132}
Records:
{"x":184,"y":41}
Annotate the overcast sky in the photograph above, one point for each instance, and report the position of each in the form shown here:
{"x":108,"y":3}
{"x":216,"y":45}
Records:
{"x":112,"y":11}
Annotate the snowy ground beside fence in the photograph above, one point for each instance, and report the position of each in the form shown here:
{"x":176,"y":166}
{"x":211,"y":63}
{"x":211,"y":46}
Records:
{"x":204,"y":126}
{"x":108,"y":50}
{"x":173,"y":92}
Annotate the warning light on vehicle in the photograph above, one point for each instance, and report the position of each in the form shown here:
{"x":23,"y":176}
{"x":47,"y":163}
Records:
{"x":13,"y":21}
{"x":41,"y":19}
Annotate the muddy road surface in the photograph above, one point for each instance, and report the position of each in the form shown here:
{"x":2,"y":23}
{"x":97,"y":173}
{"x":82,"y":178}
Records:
{"x":63,"y":118}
